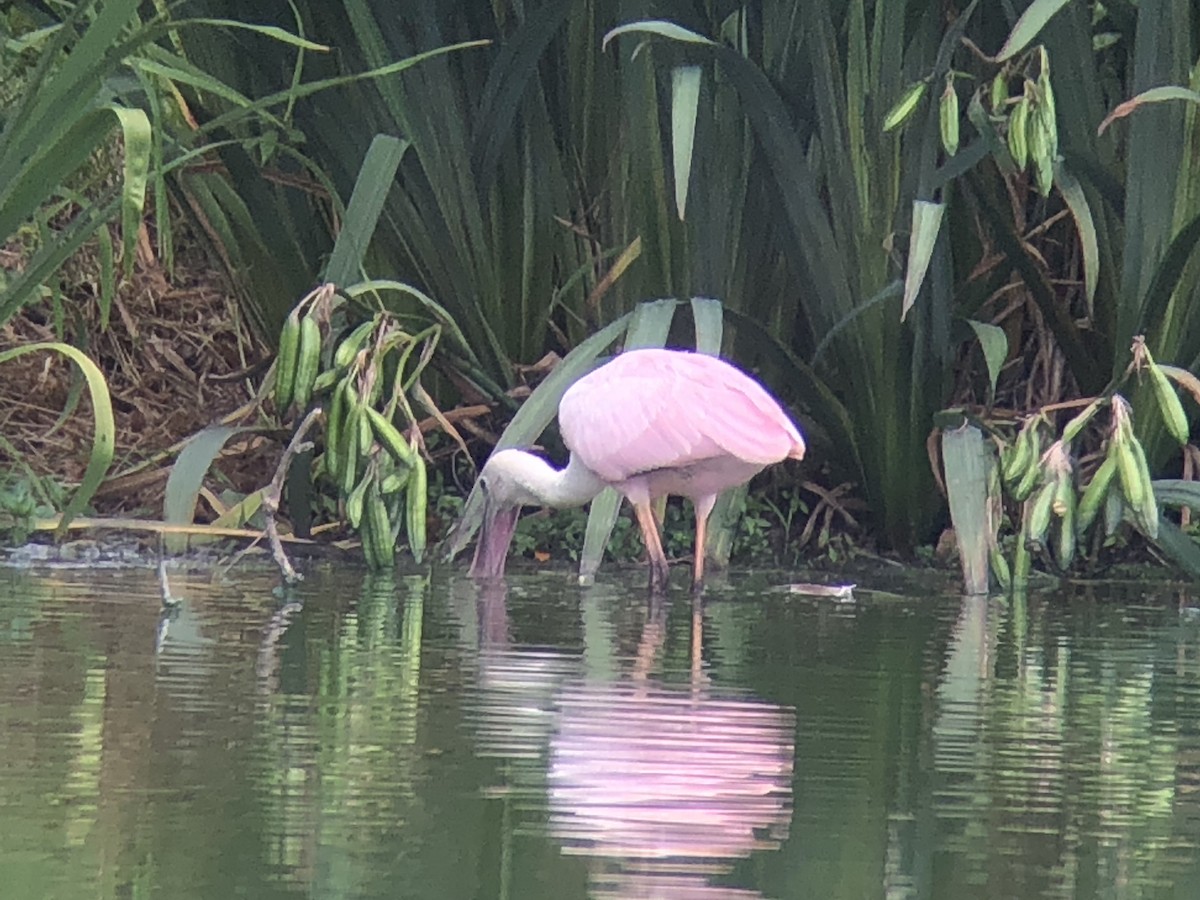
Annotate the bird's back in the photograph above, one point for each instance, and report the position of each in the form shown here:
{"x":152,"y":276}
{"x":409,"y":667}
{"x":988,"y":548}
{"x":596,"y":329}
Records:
{"x":652,"y":409}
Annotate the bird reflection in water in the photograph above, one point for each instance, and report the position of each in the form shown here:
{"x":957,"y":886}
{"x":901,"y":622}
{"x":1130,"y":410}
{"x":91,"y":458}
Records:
{"x":667,"y":785}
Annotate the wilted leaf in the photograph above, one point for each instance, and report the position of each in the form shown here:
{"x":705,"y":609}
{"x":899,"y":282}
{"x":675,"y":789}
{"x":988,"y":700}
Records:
{"x":1154,"y":95}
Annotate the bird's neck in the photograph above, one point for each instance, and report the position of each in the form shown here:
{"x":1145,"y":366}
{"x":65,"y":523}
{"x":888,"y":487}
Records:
{"x":574,"y":485}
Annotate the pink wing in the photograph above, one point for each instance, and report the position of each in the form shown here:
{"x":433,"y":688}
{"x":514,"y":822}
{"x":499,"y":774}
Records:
{"x":653,"y":409}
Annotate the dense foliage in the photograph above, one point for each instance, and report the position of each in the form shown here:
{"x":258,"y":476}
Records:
{"x":866,"y":187}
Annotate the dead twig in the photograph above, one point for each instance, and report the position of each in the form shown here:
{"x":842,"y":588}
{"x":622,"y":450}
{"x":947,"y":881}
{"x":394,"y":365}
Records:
{"x":273,"y":496}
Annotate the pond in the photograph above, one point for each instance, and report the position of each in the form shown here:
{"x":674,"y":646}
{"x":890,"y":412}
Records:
{"x":419,"y":737}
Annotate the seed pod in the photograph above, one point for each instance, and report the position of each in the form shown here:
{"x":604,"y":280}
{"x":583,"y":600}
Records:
{"x":335,"y":424}
{"x":1000,"y":568}
{"x":905,"y":106}
{"x":1046,"y":109}
{"x":351,"y":344}
{"x":1076,"y":425}
{"x":1114,"y":513}
{"x":1030,"y":479}
{"x":393,"y":481}
{"x":1095,"y":492}
{"x":390,"y":437}
{"x":1127,"y":468}
{"x":285,"y":362}
{"x":1168,"y":402}
{"x":351,"y":449}
{"x":1021,"y":455}
{"x":416,"y":500}
{"x":1039,"y":153}
{"x":1039,"y":515}
{"x":357,"y":500}
{"x":1021,"y":558}
{"x":948,"y":117}
{"x":308,"y":360}
{"x":1147,"y":511}
{"x":1064,"y":544}
{"x":1017,"y":144}
{"x":999,"y":92}
{"x":377,"y":533}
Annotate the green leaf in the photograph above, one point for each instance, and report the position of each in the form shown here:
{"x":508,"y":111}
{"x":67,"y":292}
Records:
{"x":994,"y":342}
{"x":108,"y":278}
{"x":967,"y":458}
{"x":926,"y":221}
{"x":187,"y":477}
{"x":651,"y":324}
{"x":649,"y":327}
{"x":709,"y":317}
{"x":656,"y":27}
{"x":602,"y":517}
{"x":1072,"y":192}
{"x":135,"y":129}
{"x":375,"y":179}
{"x":439,"y":312}
{"x":104,"y":432}
{"x":1032,"y":21}
{"x":1178,"y":545}
{"x":52,"y":255}
{"x":1177,"y":492}
{"x":685,"y":99}
{"x":1167,"y":276}
{"x":535,"y":414}
{"x":508,"y":82}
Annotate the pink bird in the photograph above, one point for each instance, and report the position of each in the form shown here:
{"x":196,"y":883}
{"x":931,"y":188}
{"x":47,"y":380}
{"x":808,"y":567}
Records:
{"x":649,"y":423}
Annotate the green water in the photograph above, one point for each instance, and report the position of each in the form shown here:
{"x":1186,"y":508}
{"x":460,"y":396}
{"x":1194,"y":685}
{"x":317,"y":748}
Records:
{"x":416,"y":738}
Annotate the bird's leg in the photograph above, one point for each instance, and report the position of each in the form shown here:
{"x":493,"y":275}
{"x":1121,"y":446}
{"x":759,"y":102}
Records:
{"x":654,"y":547}
{"x":704,"y":507}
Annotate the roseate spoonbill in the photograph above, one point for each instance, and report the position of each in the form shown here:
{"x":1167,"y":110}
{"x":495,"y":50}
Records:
{"x":649,"y":423}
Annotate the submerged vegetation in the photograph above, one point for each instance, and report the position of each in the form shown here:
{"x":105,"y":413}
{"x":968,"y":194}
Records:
{"x":912,"y":214}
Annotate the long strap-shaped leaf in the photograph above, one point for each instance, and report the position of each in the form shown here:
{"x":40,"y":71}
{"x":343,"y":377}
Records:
{"x":104,"y":434}
{"x":649,"y":328}
{"x":535,"y":414}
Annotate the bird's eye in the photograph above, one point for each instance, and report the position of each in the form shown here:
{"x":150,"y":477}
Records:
{"x":483,"y":486}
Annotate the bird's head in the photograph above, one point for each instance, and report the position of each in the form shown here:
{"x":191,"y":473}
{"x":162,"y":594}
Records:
{"x":503,"y":494}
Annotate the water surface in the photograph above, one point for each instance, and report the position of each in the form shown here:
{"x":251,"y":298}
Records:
{"x":417,"y":737}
